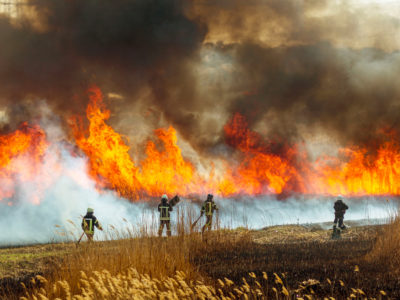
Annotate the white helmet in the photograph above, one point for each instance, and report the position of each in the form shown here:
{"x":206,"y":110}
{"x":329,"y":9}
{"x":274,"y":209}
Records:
{"x":164,"y":197}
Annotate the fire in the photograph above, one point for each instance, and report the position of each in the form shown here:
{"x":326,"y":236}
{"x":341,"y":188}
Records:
{"x":21,"y":154}
{"x":162,"y":171}
{"x":355,"y":172}
{"x":166,"y":170}
{"x":256,"y":167}
{"x":260,"y":171}
{"x":363,"y":173}
{"x":109,"y":161}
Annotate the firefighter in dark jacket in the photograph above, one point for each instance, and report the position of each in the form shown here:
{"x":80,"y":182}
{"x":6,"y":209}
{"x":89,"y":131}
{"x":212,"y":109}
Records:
{"x":340,"y":209}
{"x":208,"y":208}
{"x":165,"y":219}
{"x":89,"y":222}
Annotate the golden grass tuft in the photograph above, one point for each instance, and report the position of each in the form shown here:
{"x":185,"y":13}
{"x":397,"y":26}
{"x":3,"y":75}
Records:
{"x":386,"y":250}
{"x":133,"y":285}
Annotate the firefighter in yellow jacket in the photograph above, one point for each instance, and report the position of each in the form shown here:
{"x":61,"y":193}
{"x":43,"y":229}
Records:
{"x":89,"y":221}
{"x":208,"y":208}
{"x":165,"y":218}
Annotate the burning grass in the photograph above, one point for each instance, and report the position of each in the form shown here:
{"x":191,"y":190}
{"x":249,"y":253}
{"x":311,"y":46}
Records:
{"x":229,"y":263}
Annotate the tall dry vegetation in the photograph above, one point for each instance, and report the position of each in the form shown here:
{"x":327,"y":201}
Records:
{"x":136,"y":251}
{"x":138,"y":265}
{"x":119,"y":269}
{"x":133,"y":285}
{"x":386,"y":250}
{"x":160,"y":268}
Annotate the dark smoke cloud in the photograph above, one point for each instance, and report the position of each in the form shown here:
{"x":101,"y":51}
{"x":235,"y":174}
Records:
{"x":351,"y":93}
{"x":288,"y":66}
{"x":120,"y":45}
{"x":307,"y":66}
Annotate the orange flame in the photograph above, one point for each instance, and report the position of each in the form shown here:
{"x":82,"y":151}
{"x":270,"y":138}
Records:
{"x":21,"y":154}
{"x":111,"y":165}
{"x":166,"y":171}
{"x":260,"y":171}
{"x":257,"y":166}
{"x":109,"y":161}
{"x":362,"y":173}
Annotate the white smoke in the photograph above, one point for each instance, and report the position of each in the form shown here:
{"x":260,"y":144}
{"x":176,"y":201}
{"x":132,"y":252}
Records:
{"x":62,"y":203}
{"x":266,"y":211}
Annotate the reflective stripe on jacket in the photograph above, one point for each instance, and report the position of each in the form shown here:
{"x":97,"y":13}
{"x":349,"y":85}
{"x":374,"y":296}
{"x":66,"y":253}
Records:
{"x":88,"y":225}
{"x":164,"y":213}
{"x":209,"y":207}
{"x":89,"y":222}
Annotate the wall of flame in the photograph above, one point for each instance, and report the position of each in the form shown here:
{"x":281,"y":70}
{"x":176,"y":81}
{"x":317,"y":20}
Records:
{"x":254,"y":168}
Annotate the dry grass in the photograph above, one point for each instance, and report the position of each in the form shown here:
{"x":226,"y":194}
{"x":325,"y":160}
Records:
{"x":137,"y":266}
{"x":302,"y":233}
{"x":141,"y":251}
{"x":133,"y":285}
{"x":140,"y":266}
{"x":164,"y":268}
{"x":386,"y":250}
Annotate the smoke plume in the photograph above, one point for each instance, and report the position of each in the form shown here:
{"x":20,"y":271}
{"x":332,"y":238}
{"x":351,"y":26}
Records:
{"x":289,"y":67}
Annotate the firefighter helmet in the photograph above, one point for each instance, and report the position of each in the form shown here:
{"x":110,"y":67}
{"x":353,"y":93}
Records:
{"x":209,"y":197}
{"x":90,"y":210}
{"x":164,"y":197}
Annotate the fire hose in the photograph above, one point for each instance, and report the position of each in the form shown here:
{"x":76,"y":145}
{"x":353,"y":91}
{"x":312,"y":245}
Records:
{"x":195,"y":222}
{"x":77,"y":243}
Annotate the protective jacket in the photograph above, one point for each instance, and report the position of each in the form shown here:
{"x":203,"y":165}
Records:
{"x":164,"y":208}
{"x":209,"y":207}
{"x":89,"y":221}
{"x":340,"y":208}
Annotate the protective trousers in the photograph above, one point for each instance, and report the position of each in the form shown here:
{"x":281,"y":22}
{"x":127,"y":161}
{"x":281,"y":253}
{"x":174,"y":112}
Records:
{"x":89,"y":236}
{"x":166,"y":223}
{"x":338,"y":218}
{"x":208,"y":223}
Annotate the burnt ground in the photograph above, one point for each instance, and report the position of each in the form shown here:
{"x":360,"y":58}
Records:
{"x":304,"y":257}
{"x":297,"y":253}
{"x":20,"y":264}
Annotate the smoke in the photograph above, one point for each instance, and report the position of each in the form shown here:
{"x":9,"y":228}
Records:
{"x":350,"y":94}
{"x":120,"y":45}
{"x":297,"y":68}
{"x":290,"y":67}
{"x":266,"y":211}
{"x":313,"y":72}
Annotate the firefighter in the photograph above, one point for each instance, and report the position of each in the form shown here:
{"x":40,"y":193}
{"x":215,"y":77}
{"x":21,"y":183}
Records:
{"x":89,"y":221}
{"x":165,"y":219}
{"x":208,"y":208}
{"x":340,"y":209}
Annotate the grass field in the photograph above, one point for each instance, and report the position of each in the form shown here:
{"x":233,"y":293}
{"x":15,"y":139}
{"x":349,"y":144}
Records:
{"x":279,"y":262}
